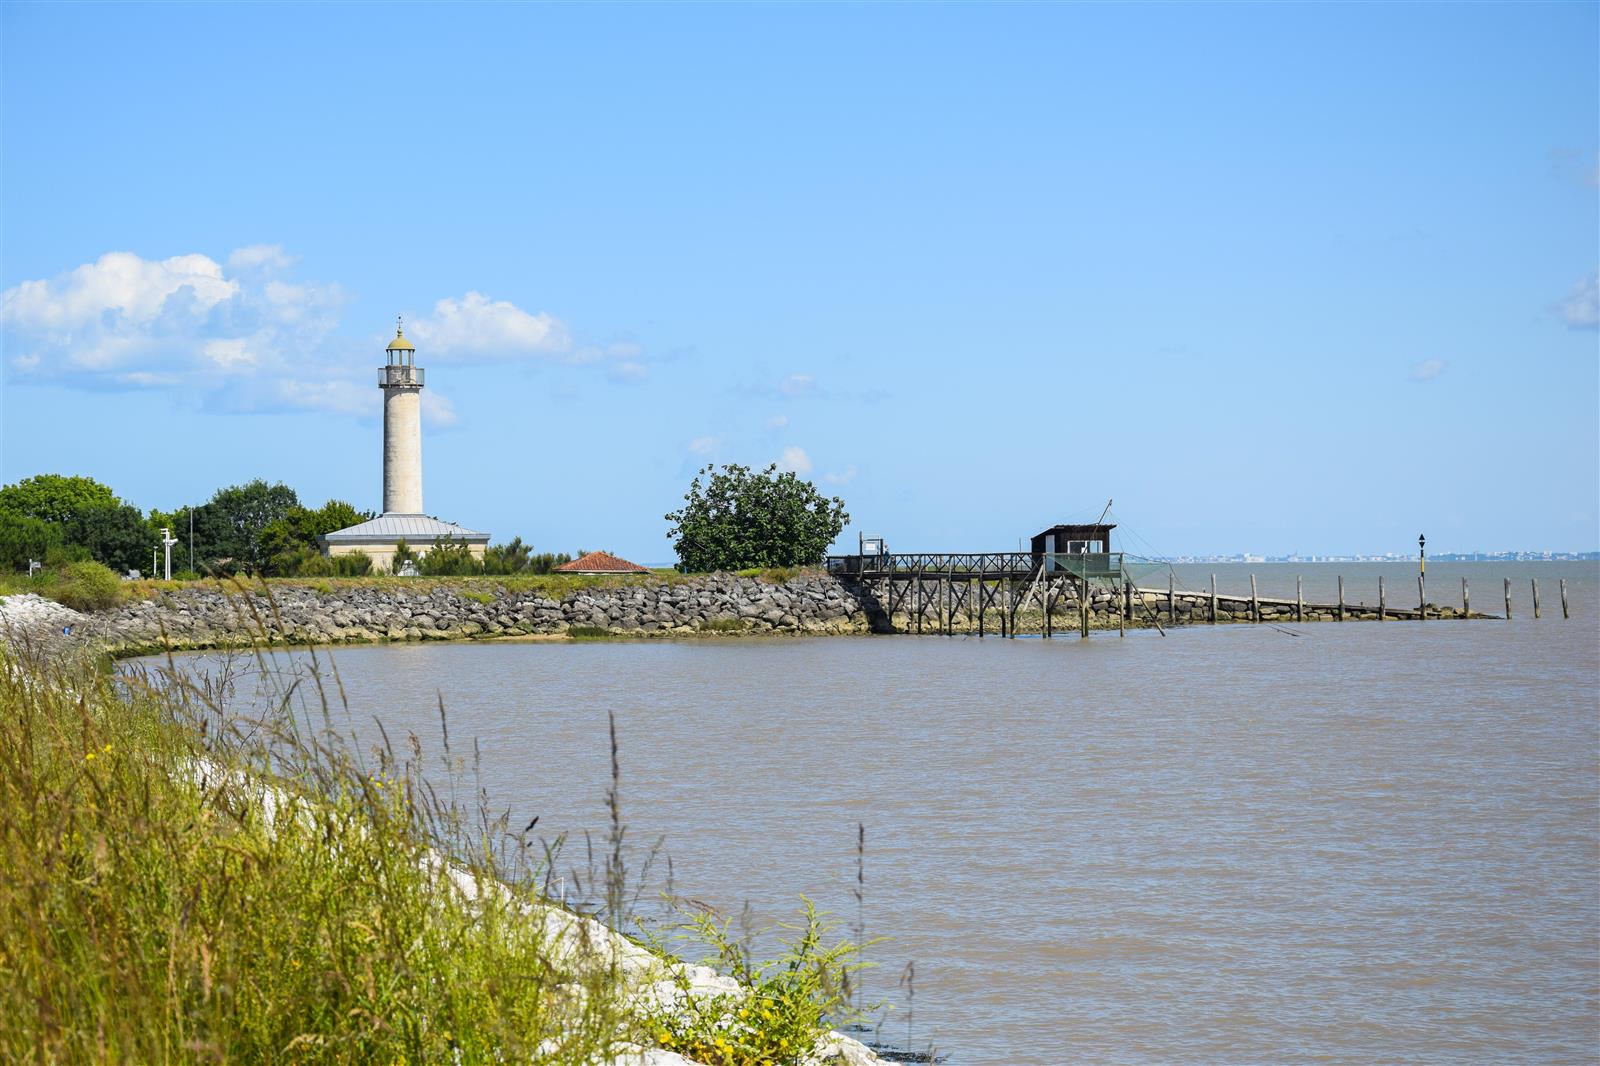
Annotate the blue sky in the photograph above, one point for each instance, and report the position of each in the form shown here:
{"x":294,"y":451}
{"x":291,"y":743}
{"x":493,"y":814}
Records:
{"x":1275,"y":278}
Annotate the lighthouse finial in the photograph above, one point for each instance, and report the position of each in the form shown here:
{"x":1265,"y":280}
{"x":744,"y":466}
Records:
{"x":399,"y":325}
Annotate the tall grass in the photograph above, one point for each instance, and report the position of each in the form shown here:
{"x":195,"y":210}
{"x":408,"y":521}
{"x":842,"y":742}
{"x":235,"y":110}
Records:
{"x":180,"y":881}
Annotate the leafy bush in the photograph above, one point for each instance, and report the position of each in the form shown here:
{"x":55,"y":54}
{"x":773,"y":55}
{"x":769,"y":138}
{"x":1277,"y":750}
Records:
{"x":449,"y":559}
{"x":792,"y":1000}
{"x":88,"y":586}
{"x":741,"y":519}
{"x":403,"y":555}
{"x":353,"y":564}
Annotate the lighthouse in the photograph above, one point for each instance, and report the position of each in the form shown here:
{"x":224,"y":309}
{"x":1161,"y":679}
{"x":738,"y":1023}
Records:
{"x":402,"y":520}
{"x":401,"y":381}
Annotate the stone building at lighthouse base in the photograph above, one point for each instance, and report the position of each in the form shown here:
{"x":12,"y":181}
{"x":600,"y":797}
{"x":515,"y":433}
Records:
{"x":381,"y":537}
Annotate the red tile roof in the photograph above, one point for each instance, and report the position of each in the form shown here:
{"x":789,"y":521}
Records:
{"x":601,"y":563}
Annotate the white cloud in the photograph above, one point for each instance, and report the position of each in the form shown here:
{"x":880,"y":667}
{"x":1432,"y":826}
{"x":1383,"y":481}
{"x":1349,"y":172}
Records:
{"x":437,"y":410}
{"x":797,"y":385}
{"x":249,"y":338}
{"x":1428,"y":369}
{"x":1581,"y":308}
{"x":795,"y":459}
{"x":705,"y":445}
{"x":777,"y":421}
{"x":843,"y":477}
{"x":477,"y":326}
{"x":118,"y":289}
{"x":629,"y":373}
{"x":260,"y":257}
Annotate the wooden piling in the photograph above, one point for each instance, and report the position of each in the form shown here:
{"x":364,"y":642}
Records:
{"x":918,"y":602}
{"x":1172,"y":599}
{"x":1083,"y":608}
{"x":1535,"y":597}
{"x":1213,"y":599}
{"x":1383,"y":606}
{"x":1255,"y":604}
{"x":1422,"y":599}
{"x":1341,"y":597}
{"x":1466,"y":600}
{"x":949,"y":610}
{"x":1508,"y":599}
{"x":1299,"y":600}
{"x":1564,"y":613}
{"x":1127,"y":608}
{"x":1049,"y":590}
{"x":981,"y":604}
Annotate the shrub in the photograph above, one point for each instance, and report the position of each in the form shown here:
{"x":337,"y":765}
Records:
{"x":317,"y":565}
{"x":792,"y":1001}
{"x":88,"y":586}
{"x":449,"y":559}
{"x":355,"y":564}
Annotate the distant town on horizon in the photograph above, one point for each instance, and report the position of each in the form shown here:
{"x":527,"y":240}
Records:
{"x":1390,"y":557}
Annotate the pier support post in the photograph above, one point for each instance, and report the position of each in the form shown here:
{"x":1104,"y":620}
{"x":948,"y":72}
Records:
{"x":1049,"y":593}
{"x":1255,"y":604}
{"x":1341,"y":597}
{"x":1299,"y":600}
{"x":1564,"y":613}
{"x":1535,"y":597}
{"x":1466,"y":600}
{"x":1083,"y":609}
{"x":1383,"y":606}
{"x":1127,"y":608}
{"x":1508,"y":599}
{"x":981,"y":605}
{"x":918,"y":602}
{"x":1213,"y":599}
{"x":1172,"y":599}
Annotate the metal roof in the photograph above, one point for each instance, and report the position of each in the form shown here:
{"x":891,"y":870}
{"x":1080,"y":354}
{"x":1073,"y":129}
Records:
{"x":414,"y":529}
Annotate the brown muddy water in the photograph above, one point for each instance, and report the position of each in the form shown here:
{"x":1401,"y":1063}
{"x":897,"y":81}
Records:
{"x":1365,"y":842}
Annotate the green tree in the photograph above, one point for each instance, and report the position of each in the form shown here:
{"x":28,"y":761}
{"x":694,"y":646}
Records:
{"x":403,"y":554}
{"x":740,"y":519}
{"x":23,"y":538}
{"x":117,"y":536}
{"x":283,"y":541}
{"x":55,"y":497}
{"x":228,"y":528}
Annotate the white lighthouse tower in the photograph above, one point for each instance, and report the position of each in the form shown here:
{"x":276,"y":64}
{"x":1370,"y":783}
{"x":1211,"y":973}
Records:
{"x":401,"y":380}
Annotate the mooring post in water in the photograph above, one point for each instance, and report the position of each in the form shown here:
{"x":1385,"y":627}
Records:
{"x":1535,"y":597}
{"x":1383,"y":605}
{"x":1172,"y":599}
{"x":1049,"y":590}
{"x":1564,"y":613}
{"x":1508,"y":599}
{"x":1466,"y":600}
{"x":1341,"y":597}
{"x":918,"y":601}
{"x":1213,"y":599}
{"x":1083,"y":610}
{"x":1127,"y":608}
{"x":1255,"y":604}
{"x":949,"y":610}
{"x":1299,"y":600}
{"x":980,"y":603}
{"x":1422,"y":598}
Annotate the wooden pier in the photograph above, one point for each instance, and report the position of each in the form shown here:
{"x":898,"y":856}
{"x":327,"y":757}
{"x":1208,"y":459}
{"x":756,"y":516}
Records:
{"x":1009,"y":593}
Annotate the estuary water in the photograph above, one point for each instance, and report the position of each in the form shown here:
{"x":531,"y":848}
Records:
{"x":1321,"y":843}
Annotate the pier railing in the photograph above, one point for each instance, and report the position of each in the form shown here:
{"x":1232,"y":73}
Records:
{"x":1095,"y":566}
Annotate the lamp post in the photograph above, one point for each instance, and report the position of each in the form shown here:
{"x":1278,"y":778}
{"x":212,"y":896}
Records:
{"x":167,"y":541}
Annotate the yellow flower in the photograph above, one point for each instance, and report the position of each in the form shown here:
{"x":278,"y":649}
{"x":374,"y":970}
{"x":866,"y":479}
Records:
{"x":89,"y":757}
